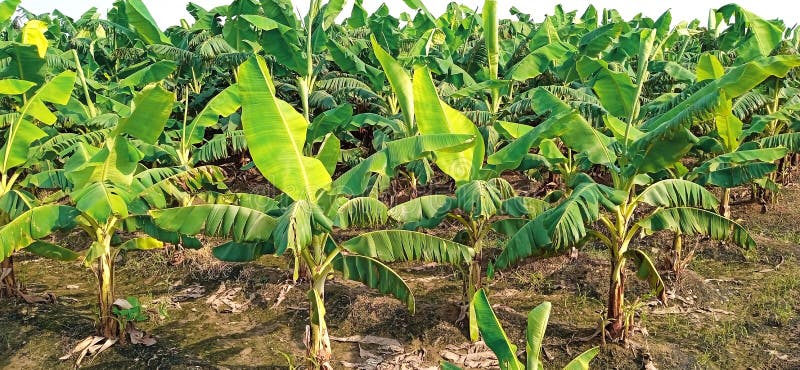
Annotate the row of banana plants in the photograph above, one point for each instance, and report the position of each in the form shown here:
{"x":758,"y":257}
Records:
{"x":128,"y":133}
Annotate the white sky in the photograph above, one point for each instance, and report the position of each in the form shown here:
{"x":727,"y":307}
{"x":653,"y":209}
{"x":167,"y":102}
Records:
{"x":169,"y":12}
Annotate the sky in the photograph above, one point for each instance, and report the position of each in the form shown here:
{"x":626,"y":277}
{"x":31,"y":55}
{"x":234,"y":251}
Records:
{"x":170,"y":12}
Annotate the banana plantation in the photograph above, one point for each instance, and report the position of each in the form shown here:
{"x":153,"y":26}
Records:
{"x":345,"y":189}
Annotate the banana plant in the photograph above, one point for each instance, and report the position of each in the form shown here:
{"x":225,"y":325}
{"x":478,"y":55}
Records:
{"x":20,"y":134}
{"x":736,"y":162}
{"x":434,"y":116}
{"x":104,"y":190}
{"x":400,"y":100}
{"x":491,"y":85}
{"x":750,"y":36}
{"x":101,"y":181}
{"x":294,"y":42}
{"x":613,"y":214}
{"x":479,"y":207}
{"x":505,"y":350}
{"x":317,"y":205}
{"x":777,"y":128}
{"x":22,"y":129}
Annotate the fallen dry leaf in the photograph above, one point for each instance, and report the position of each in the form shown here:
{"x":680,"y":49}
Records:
{"x":48,"y":297}
{"x":223,"y":301}
{"x":389,"y":343}
{"x":477,"y":356}
{"x":778,"y":355}
{"x":282,"y":295}
{"x":139,"y":336}
{"x":91,"y":346}
{"x":192,"y":292}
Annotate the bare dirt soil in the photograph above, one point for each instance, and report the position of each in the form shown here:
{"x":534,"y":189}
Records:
{"x":730,"y":310}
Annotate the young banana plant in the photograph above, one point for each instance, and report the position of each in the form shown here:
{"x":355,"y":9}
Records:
{"x":612,"y":214}
{"x":506,"y":352}
{"x":730,"y":157}
{"x":401,"y":99}
{"x":479,"y":207}
{"x":316,"y":208}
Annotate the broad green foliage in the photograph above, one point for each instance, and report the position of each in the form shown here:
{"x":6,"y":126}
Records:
{"x":692,"y":221}
{"x":397,"y":152}
{"x":437,"y":117}
{"x":374,"y":274}
{"x":22,"y":132}
{"x":399,"y":80}
{"x":235,"y":222}
{"x":358,"y":138}
{"x":151,"y":109}
{"x":400,"y":245}
{"x":7,"y":8}
{"x":143,"y":23}
{"x":282,"y":133}
{"x":36,"y":223}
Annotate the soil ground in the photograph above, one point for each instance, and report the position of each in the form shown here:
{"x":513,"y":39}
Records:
{"x":728,"y":310}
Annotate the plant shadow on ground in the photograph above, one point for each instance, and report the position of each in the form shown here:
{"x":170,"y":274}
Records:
{"x":737,"y":310}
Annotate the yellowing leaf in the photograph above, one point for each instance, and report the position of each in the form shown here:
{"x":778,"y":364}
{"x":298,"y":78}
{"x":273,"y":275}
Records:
{"x":33,"y":34}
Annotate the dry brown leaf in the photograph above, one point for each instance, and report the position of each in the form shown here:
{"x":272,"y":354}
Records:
{"x":223,"y":301}
{"x":648,"y":363}
{"x":138,"y":336}
{"x":192,"y":292}
{"x":389,"y":343}
{"x":282,"y":295}
{"x":33,"y":298}
{"x":778,"y":355}
{"x":80,"y":347}
{"x":367,"y":354}
{"x":91,"y":346}
{"x":246,"y":351}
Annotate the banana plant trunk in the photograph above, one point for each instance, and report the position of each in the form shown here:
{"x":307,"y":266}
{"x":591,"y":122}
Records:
{"x":108,"y":326}
{"x":474,"y":280}
{"x":677,"y":249}
{"x":473,"y":285}
{"x":319,"y":343}
{"x":725,"y":204}
{"x":615,"y":328}
{"x":8,"y":284}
